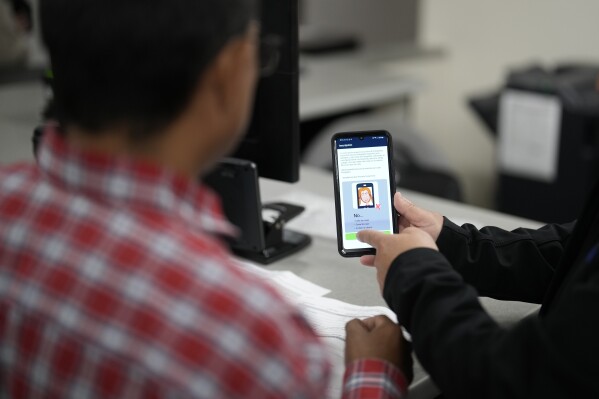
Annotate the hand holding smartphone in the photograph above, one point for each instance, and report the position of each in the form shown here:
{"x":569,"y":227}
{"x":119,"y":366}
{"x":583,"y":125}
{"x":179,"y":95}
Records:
{"x":364,"y":188}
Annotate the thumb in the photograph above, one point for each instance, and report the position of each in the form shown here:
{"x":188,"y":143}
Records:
{"x":407,"y":209}
{"x":370,"y":237}
{"x":356,"y":326}
{"x":377,"y":321}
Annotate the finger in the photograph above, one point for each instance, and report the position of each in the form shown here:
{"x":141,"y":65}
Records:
{"x":370,"y":237}
{"x":377,"y":321}
{"x":397,"y":197}
{"x":354,"y":332}
{"x":401,"y":203}
{"x":414,"y":231}
{"x":403,"y":224}
{"x":367,"y":260}
{"x":406,"y":208}
{"x":355,"y":326}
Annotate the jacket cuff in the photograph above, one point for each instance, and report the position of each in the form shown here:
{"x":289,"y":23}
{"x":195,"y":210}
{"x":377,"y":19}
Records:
{"x":451,"y":236}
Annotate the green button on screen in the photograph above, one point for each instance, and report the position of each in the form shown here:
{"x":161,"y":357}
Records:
{"x":354,"y":236}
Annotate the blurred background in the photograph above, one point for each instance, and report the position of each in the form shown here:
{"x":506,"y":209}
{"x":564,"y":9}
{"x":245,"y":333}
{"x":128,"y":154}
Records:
{"x":431,"y":72}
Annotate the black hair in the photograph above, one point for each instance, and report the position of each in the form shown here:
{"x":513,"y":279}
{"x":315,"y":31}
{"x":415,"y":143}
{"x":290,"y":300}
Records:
{"x":134,"y":62}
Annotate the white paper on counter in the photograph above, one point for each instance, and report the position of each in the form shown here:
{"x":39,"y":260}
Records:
{"x":288,"y":283}
{"x":327,"y":316}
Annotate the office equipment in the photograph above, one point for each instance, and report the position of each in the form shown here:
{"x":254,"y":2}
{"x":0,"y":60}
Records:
{"x":262,"y":237}
{"x":318,"y":219}
{"x":272,"y":140}
{"x":230,"y":177}
{"x":563,"y":121}
{"x":270,"y":148}
{"x":529,"y":127}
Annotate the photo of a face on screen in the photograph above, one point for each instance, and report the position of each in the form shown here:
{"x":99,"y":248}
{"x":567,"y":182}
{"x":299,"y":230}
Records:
{"x":364,"y":188}
{"x":365,"y":196}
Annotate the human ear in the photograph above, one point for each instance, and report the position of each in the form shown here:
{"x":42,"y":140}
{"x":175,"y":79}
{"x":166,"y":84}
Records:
{"x":231,"y":77}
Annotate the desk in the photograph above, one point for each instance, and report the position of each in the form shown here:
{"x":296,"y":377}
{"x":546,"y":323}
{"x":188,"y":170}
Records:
{"x":344,"y":82}
{"x":353,"y":283}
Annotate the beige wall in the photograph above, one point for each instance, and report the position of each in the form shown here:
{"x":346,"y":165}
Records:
{"x":482,"y":39}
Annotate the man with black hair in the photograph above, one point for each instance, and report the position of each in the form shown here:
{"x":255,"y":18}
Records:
{"x":113,"y":282}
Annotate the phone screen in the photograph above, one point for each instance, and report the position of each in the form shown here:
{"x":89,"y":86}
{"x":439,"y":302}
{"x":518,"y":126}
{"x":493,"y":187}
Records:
{"x":364,"y":188}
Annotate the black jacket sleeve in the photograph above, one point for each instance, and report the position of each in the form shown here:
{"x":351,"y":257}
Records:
{"x":469,"y":356}
{"x":500,"y":264}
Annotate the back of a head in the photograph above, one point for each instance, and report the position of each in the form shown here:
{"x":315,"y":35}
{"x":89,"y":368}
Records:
{"x":134,"y":62}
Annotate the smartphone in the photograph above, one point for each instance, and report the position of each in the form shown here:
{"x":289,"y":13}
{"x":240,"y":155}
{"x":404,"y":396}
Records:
{"x":364,"y":188}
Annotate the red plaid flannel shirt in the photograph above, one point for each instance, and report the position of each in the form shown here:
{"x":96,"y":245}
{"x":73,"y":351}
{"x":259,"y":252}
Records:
{"x":112,"y":284}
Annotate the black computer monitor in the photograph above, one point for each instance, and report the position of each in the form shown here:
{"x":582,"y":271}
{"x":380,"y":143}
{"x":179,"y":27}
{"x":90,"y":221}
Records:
{"x":272,"y":141}
{"x":271,"y":148}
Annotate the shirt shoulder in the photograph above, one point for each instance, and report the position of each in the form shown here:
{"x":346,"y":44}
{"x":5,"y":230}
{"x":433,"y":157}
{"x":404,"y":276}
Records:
{"x":14,"y":176}
{"x":18,"y":182}
{"x":214,"y":316}
{"x":144,"y":289}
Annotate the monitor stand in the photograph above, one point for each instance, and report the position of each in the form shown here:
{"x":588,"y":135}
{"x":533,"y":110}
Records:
{"x":279,"y":242}
{"x":263,"y":238}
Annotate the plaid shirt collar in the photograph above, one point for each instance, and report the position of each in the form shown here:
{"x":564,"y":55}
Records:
{"x":128,"y":183}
